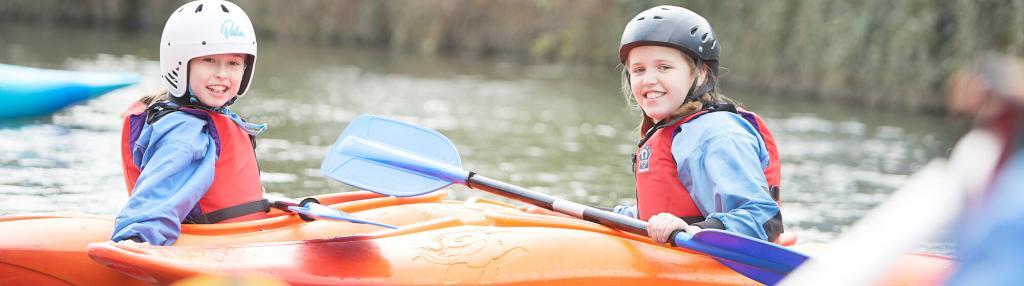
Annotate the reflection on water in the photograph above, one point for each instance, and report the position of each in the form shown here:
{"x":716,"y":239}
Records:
{"x":560,"y":130}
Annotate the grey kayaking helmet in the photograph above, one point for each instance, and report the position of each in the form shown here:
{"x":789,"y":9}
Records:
{"x":673,"y":27}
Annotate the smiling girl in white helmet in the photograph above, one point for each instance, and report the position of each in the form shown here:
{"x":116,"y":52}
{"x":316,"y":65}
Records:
{"x":187,"y":158}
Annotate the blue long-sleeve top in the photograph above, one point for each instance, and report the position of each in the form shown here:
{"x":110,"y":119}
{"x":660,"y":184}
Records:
{"x":177,"y":157}
{"x":720,"y":159}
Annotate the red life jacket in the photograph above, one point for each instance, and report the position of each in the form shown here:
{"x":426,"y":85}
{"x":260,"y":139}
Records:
{"x":658,"y":188}
{"x":236,"y":193}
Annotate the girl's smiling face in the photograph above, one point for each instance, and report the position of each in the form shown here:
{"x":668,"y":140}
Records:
{"x":215,"y":79}
{"x":659,"y":78}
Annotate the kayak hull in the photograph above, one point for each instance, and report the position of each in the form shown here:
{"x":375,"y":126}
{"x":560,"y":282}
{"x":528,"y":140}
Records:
{"x":459,"y":255}
{"x":50,"y":249}
{"x":52,"y":254}
{"x":477,"y":241}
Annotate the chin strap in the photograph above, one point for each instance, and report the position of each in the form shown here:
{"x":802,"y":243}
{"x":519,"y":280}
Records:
{"x":694,"y":93}
{"x":226,"y":104}
{"x":190,"y":100}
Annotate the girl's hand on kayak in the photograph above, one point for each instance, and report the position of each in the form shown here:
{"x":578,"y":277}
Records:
{"x":532,"y":209}
{"x":661,"y":226}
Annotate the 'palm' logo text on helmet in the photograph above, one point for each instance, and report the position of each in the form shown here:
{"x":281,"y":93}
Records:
{"x":229,"y":30}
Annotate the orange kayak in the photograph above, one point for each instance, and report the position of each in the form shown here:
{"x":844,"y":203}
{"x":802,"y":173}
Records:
{"x":478,"y":241}
{"x":50,"y":249}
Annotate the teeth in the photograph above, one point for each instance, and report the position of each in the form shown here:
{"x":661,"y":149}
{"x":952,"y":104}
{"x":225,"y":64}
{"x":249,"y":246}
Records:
{"x":654,"y":94}
{"x":217,"y":88}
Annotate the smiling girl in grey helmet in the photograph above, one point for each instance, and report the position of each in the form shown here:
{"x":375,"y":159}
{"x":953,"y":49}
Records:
{"x":187,"y":158}
{"x":701,"y":162}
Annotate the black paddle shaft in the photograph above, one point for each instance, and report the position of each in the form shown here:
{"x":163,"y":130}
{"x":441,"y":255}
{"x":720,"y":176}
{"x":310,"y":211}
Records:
{"x":588,"y":213}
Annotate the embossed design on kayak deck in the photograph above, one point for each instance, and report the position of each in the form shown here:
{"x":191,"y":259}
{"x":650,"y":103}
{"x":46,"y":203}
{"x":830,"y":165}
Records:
{"x":469,"y":254}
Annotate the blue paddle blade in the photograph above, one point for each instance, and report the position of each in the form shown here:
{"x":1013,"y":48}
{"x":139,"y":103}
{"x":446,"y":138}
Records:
{"x":762,"y":261}
{"x":761,"y":275}
{"x":366,"y":152}
{"x":787,"y":259}
{"x":322,"y":212}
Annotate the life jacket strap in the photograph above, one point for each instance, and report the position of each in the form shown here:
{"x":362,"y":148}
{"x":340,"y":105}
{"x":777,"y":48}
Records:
{"x":162,"y":108}
{"x":233,"y":212}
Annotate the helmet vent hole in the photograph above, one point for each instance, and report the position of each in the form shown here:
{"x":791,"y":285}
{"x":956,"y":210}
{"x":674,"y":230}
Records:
{"x":664,"y":8}
{"x":693,"y":31}
{"x":171,"y":82}
{"x":200,"y":8}
{"x":179,"y":10}
{"x":714,"y":44}
{"x":704,"y":38}
{"x":658,"y":17}
{"x":225,"y":9}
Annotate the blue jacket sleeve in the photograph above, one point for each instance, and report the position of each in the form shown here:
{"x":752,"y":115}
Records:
{"x":721,"y":163}
{"x":177,"y":166}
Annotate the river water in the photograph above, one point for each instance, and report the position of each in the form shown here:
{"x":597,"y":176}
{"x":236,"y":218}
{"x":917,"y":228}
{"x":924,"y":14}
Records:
{"x":562,"y":130}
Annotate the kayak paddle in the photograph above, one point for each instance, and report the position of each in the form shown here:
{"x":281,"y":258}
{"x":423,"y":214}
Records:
{"x":395,"y":158}
{"x":310,"y":209}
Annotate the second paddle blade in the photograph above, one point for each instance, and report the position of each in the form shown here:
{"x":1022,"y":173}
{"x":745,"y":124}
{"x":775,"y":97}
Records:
{"x":372,"y":175}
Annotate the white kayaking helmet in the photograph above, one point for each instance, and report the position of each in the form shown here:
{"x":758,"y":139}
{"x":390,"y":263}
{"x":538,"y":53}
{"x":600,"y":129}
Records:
{"x":202,"y":28}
